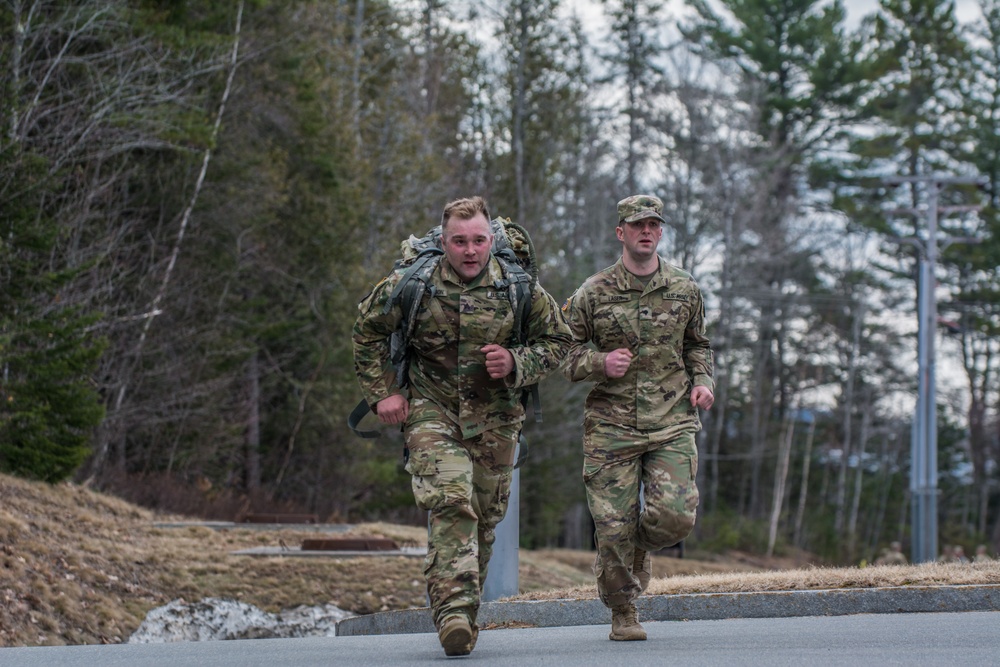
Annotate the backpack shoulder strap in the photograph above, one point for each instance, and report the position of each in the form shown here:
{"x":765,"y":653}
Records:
{"x":420,"y":269}
{"x":519,"y":287}
{"x":519,"y":284}
{"x":409,"y":293}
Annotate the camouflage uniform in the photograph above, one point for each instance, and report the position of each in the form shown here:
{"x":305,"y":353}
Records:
{"x":640,"y":427}
{"x":462,"y":427}
{"x":892,"y":556}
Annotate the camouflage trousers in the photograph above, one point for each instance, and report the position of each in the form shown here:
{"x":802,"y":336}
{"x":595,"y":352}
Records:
{"x":619,"y":464}
{"x":464,"y":484}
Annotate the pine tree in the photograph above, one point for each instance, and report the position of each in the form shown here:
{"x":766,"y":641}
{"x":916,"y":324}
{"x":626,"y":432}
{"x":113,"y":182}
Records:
{"x":635,"y":70}
{"x":795,"y":70}
{"x":973,"y":312}
{"x":48,"y":403}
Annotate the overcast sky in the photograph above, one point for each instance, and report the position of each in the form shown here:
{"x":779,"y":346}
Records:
{"x":965,"y":10}
{"x":590,"y":10}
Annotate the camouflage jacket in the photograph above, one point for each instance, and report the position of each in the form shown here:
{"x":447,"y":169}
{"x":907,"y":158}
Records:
{"x":662,"y":325}
{"x":446,"y":364}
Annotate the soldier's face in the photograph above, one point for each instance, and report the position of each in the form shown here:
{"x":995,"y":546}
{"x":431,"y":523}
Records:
{"x":640,"y":238}
{"x":467,"y":245}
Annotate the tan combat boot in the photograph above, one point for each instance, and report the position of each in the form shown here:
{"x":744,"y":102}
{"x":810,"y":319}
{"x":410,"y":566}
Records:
{"x":625,"y":624}
{"x":457,"y":636}
{"x":642,"y":568}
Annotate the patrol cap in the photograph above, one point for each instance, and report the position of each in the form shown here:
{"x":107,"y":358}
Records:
{"x":639,"y":207}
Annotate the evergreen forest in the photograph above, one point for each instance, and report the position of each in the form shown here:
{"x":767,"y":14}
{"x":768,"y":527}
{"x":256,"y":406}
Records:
{"x":196,"y":194}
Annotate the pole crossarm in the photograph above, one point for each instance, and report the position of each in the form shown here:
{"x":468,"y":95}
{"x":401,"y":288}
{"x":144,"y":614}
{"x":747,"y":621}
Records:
{"x":966,"y":208}
{"x":937,"y":178}
{"x":941,"y":209}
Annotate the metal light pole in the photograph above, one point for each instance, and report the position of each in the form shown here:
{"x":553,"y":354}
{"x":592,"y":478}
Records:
{"x":923,"y":451}
{"x":923,"y":443}
{"x":502,"y":576}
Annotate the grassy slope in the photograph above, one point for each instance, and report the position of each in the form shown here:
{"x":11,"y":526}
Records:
{"x":79,"y":567}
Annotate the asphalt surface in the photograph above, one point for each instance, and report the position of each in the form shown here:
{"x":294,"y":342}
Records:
{"x":918,"y":625}
{"x":968,"y":638}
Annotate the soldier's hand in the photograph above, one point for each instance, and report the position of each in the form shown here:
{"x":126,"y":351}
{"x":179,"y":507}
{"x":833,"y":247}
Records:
{"x":393,"y":409}
{"x":617,"y":362}
{"x":499,"y":361}
{"x":702,"y":397}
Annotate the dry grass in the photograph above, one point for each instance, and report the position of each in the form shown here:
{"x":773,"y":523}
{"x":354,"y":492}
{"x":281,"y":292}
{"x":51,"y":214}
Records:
{"x":79,"y":567}
{"x":816,"y":578}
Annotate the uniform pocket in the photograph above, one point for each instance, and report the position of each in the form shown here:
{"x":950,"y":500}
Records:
{"x":433,"y":330}
{"x":423,"y":468}
{"x":429,"y":560}
{"x":590,"y":469}
{"x":674,"y":313}
{"x":496,"y":509}
{"x":421,"y":463}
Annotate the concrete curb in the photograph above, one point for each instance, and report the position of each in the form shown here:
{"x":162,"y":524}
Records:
{"x":697,"y":607}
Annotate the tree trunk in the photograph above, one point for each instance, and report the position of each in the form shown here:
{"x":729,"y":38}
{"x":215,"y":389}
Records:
{"x":780,"y":477}
{"x":17,"y":49}
{"x":252,"y":430}
{"x":852,"y":523}
{"x":632,"y":87}
{"x":885,"y":485}
{"x":848,"y":407}
{"x":154,"y":308}
{"x":520,"y":85}
{"x":804,"y":489}
{"x":358,"y":63}
{"x":765,"y":375}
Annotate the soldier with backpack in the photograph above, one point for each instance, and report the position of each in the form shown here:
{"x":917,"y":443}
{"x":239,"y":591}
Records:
{"x":467,"y":348}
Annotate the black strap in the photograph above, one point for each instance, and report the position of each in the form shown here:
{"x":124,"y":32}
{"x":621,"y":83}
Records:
{"x":536,"y":403}
{"x":409,"y":291}
{"x":357,"y":414}
{"x":522,"y":451}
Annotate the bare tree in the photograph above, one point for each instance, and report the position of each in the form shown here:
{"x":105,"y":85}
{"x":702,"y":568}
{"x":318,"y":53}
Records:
{"x":154,"y":308}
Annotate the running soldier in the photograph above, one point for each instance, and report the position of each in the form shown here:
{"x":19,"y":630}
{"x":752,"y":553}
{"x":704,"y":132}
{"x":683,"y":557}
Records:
{"x":463,"y":412}
{"x":639,"y":333}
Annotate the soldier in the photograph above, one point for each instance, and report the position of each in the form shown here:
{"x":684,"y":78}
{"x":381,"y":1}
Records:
{"x":892,"y":556}
{"x":639,"y":333}
{"x":463,"y":415}
{"x":982,"y":555}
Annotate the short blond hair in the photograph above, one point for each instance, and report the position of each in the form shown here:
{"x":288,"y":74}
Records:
{"x":464,"y":209}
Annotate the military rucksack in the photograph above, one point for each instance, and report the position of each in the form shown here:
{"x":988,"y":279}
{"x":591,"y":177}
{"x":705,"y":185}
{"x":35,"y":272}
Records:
{"x":418,"y":258}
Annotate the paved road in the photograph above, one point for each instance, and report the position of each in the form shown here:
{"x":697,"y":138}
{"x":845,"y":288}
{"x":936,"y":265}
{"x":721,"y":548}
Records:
{"x":957,"y":638}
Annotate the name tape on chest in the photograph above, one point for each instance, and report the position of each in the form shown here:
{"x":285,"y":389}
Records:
{"x":615,"y":298}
